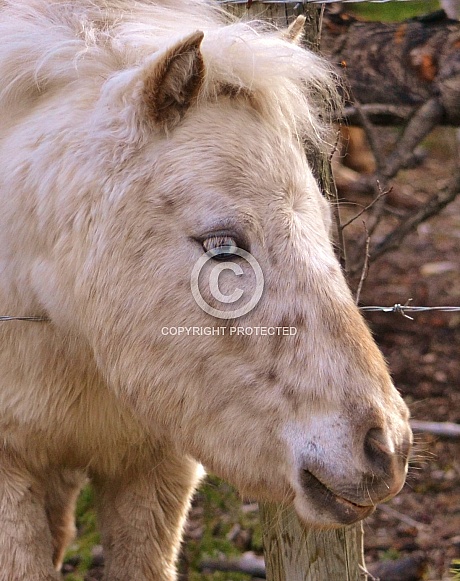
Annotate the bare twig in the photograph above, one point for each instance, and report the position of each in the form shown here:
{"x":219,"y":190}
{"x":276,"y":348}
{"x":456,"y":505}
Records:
{"x":362,"y":264}
{"x":402,"y":517}
{"x":365,"y":269}
{"x":342,"y":251}
{"x":378,"y":207}
{"x":334,"y":149}
{"x":366,"y":208}
{"x":409,"y":224}
{"x":380,"y":175}
{"x":366,"y":575}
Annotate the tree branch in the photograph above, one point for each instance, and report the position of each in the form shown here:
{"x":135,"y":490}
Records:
{"x":441,"y":429}
{"x":409,"y":224}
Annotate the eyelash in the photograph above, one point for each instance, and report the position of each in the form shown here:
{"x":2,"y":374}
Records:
{"x":217,"y":242}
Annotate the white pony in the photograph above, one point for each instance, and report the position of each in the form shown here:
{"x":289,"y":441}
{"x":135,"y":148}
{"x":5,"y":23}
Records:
{"x":135,"y":136}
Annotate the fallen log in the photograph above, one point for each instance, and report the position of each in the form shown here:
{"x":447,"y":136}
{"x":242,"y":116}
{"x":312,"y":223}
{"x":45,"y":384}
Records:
{"x":393,"y":65}
{"x":249,"y":563}
{"x":411,"y":568}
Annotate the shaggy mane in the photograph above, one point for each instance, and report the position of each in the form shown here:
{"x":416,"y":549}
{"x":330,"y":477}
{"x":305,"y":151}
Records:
{"x":51,"y":44}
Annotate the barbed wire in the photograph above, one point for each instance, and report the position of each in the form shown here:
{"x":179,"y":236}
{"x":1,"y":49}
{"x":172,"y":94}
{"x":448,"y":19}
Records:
{"x":404,"y":309}
{"x":396,"y":308}
{"x":299,"y":4}
{"x":36,"y":319}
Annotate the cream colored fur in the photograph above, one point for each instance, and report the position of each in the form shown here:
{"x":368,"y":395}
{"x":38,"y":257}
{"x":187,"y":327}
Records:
{"x":125,"y":136}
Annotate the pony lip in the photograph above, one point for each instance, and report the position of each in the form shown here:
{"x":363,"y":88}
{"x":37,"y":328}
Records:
{"x":343,"y":510}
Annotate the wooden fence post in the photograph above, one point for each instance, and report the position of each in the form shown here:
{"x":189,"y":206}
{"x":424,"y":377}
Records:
{"x":294,"y":552}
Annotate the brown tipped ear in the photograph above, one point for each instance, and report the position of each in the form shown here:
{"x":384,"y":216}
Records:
{"x":294,"y":32}
{"x":173,"y":81}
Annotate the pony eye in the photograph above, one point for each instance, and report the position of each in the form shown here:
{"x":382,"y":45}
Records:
{"x":220,"y":247}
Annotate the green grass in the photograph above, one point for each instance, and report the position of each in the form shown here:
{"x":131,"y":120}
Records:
{"x":221,"y":509}
{"x":392,"y":11}
{"x":391,"y":555}
{"x":87,"y":537}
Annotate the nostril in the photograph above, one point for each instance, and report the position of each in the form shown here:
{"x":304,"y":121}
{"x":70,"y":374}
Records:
{"x":378,"y":448}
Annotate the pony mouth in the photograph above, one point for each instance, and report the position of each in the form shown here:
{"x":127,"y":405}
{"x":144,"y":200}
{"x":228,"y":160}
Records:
{"x":342,"y":510}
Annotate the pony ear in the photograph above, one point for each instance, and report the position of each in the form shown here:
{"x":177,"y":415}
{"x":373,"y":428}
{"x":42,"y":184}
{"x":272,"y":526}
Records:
{"x":295,"y":31}
{"x":171,"y":83}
